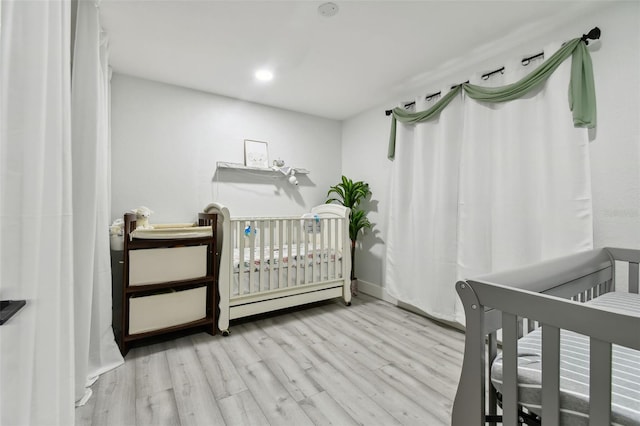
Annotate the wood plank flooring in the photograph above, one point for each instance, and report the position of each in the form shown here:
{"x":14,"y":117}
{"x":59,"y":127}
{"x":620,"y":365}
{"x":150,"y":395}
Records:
{"x":369,"y":364}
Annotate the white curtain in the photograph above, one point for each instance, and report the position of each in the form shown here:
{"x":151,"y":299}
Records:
{"x":95,"y":348}
{"x":488,"y":187}
{"x":423,"y":202}
{"x":54,"y":204}
{"x":36,"y":220}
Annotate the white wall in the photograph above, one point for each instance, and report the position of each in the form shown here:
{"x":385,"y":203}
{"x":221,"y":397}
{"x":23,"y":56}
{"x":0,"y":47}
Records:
{"x":166,"y":141}
{"x":615,"y":146}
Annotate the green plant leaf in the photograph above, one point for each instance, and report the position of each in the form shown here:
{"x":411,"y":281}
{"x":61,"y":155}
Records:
{"x":358,"y":222}
{"x":339,"y":192}
{"x":350,"y":194}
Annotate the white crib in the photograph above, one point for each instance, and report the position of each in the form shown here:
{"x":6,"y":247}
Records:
{"x":271,"y":263}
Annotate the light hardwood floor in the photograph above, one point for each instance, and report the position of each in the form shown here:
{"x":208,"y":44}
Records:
{"x":370,"y":364}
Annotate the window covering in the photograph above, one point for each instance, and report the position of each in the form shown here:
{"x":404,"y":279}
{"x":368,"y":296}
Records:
{"x":582,"y":99}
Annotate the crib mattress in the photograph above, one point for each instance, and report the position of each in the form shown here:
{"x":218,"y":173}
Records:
{"x":574,"y":370}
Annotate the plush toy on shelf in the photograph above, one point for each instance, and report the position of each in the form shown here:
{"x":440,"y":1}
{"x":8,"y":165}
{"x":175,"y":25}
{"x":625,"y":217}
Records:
{"x":142,"y":217}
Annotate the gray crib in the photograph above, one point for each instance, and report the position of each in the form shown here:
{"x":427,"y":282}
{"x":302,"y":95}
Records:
{"x":574,"y":318}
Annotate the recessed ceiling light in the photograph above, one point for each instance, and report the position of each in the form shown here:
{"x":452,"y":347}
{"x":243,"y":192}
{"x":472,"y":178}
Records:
{"x":264,"y":75}
{"x":328,"y":9}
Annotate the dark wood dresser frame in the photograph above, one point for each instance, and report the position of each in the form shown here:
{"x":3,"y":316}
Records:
{"x":122,"y":291}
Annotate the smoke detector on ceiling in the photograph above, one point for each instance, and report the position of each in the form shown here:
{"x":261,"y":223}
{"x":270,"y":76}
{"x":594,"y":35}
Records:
{"x":328,"y":9}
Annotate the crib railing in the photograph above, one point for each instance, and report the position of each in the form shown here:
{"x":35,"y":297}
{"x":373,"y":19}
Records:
{"x":545,"y":295}
{"x":286,"y":252}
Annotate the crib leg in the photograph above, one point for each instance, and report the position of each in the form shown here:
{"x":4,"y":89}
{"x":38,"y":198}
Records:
{"x":346,"y":292}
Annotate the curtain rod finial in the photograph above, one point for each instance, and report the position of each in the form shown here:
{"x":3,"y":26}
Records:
{"x":594,"y":34}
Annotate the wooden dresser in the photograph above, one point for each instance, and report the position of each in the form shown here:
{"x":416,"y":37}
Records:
{"x":164,"y":285}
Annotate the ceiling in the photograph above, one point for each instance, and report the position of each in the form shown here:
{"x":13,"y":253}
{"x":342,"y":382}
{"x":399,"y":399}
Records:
{"x":369,"y":53}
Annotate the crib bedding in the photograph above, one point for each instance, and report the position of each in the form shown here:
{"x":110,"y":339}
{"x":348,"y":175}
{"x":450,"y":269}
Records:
{"x":265,"y":260}
{"x":266,"y":267}
{"x":574,"y":366}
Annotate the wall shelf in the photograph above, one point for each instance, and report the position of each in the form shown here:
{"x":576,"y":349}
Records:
{"x":238,"y":166}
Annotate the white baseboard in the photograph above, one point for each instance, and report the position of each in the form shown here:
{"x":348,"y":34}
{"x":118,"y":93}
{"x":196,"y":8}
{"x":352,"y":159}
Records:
{"x":379,"y":292}
{"x":376,"y":291}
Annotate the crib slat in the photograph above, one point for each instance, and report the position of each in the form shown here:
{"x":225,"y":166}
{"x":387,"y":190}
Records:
{"x":239,"y":233}
{"x":520,"y":327}
{"x":301,"y":254}
{"x":282,"y":243}
{"x":327,"y":234}
{"x":311,"y":253}
{"x":322,"y":249}
{"x":341,"y":268}
{"x":609,"y":286}
{"x":492,"y":352}
{"x":329,"y":244}
{"x":290,"y":255}
{"x":599,"y":382}
{"x":509,"y":369}
{"x":305,"y":259}
{"x":252,"y":256}
{"x":320,"y":238}
{"x":315,"y":242}
{"x":261,"y":262}
{"x":550,"y":375}
{"x":295,"y":248}
{"x":249,"y":250}
{"x":337,"y":265}
{"x":530,"y":325}
{"x":321,"y":252}
{"x":633,"y":277}
{"x":254,"y":252}
{"x":305,"y":248}
{"x":336,"y":243}
{"x":272,"y":258}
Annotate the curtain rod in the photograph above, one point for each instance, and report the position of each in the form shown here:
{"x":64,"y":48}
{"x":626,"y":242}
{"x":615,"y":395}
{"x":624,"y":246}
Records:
{"x":429,"y":97}
{"x":594,"y":34}
{"x":525,"y":61}
{"x":528,"y":59}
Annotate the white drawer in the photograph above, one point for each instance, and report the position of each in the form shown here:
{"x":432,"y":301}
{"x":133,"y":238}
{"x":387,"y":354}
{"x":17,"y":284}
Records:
{"x":149,"y":266}
{"x":158,"y":311}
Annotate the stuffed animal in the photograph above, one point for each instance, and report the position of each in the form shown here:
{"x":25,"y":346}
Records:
{"x":142,"y":217}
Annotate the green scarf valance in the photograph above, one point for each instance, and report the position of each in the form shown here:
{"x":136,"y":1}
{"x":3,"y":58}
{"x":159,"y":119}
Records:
{"x":582,"y":98}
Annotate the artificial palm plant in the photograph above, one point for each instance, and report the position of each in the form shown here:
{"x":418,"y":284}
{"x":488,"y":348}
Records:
{"x":350,"y":194}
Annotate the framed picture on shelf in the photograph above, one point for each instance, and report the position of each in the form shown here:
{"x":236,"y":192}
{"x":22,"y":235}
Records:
{"x":256,"y":154}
